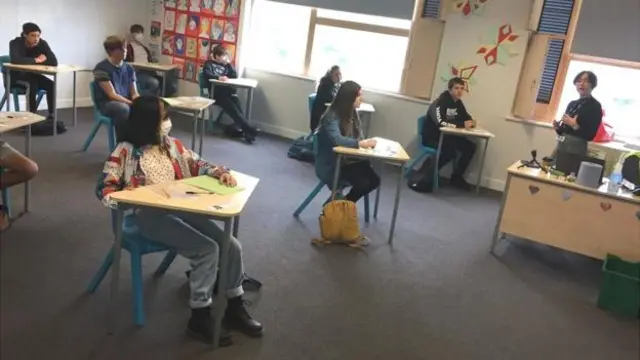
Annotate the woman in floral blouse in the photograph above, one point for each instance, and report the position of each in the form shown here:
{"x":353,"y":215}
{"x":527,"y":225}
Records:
{"x":146,"y":155}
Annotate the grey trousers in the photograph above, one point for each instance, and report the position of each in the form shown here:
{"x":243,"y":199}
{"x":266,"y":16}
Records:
{"x":197,"y":239}
{"x":118,"y":112}
{"x":571,"y":144}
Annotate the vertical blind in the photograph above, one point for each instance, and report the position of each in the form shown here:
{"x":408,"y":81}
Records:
{"x":431,"y":9}
{"x":399,"y":9}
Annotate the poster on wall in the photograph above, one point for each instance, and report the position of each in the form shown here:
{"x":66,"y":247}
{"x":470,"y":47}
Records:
{"x":193,"y":27}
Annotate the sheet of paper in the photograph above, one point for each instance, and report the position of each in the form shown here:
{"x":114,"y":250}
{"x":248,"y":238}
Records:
{"x":212,"y":185}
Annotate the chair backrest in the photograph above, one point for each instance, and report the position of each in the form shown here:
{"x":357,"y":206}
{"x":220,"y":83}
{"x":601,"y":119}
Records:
{"x":93,"y":86}
{"x":421,"y":121}
{"x":204,"y":89}
{"x":312,"y":99}
{"x":4,"y":59}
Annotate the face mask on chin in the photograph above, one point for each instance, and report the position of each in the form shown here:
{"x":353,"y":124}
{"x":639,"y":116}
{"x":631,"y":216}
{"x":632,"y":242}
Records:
{"x":165,"y":127}
{"x":138,"y":37}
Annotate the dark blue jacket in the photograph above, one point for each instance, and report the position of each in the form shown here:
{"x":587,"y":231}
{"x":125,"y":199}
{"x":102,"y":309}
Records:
{"x":329,"y":136}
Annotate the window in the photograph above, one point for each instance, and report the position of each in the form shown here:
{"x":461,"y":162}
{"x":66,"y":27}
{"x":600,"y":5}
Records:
{"x":278,"y":36}
{"x":620,"y":103}
{"x":365,"y":19}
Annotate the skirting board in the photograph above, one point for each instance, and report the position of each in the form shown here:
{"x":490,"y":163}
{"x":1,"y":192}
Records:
{"x":62,"y":103}
{"x":490,"y":183}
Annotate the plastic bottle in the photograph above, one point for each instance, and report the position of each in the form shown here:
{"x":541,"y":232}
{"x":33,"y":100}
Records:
{"x":615,"y":179}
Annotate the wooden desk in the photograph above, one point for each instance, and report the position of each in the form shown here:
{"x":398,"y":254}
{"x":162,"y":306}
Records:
{"x":14,"y":120}
{"x":366,"y":109}
{"x":222,"y":208}
{"x":195,"y":105}
{"x":161,"y":68}
{"x":385,"y":150}
{"x":478,"y":133}
{"x":239,"y":83}
{"x":52,"y":71}
{"x":549,"y":210}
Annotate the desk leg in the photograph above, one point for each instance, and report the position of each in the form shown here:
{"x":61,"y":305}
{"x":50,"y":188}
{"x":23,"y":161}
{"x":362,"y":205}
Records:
{"x":75,"y":112}
{"x":211,"y":89}
{"x":496,"y":233}
{"x":367,"y":126}
{"x":436,"y":172}
{"x":55,"y":104}
{"x":163,"y":92}
{"x":395,"y":207}
{"x":27,"y":151}
{"x":236,"y":225}
{"x":195,"y":132}
{"x":375,"y":206}
{"x":484,"y":155}
{"x":336,"y":175}
{"x":7,"y":90}
{"x":249,"y":103}
{"x":220,"y":302}
{"x":115,"y":271}
{"x":202,"y":127}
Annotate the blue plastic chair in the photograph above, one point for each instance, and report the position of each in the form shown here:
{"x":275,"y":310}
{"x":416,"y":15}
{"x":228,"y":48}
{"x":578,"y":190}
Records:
{"x":99,"y":120}
{"x":319,"y":187}
{"x":312,"y":99}
{"x":6,"y":197}
{"x":204,"y":92}
{"x":137,"y":246}
{"x":424,"y":152}
{"x":17,"y":91}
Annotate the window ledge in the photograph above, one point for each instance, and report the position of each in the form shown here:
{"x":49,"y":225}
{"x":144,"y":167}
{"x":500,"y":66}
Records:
{"x":514,"y":118}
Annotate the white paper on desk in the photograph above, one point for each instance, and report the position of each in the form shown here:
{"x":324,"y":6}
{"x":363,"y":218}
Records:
{"x":385,"y":147}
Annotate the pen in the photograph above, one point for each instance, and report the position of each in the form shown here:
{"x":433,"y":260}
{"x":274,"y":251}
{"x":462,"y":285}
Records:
{"x":198,"y":193}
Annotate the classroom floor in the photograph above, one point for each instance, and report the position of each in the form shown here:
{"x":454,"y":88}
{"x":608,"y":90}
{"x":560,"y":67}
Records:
{"x":437,"y":294}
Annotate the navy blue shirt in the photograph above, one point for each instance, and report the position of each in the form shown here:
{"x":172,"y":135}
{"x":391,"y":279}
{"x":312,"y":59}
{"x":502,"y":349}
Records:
{"x":121,"y":77}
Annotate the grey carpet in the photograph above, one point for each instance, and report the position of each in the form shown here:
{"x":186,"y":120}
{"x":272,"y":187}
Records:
{"x":436,"y":294}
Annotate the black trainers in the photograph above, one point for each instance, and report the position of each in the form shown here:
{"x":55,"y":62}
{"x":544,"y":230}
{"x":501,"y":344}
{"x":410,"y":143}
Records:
{"x":200,"y":327}
{"x":460,"y":183}
{"x":237,"y":318}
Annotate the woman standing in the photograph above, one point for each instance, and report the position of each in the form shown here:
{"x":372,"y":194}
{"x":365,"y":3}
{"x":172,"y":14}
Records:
{"x":327,"y":89}
{"x":582,"y":118}
{"x":340,"y":126}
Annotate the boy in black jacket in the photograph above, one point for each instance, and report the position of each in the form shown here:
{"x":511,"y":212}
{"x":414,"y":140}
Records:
{"x":448,"y":110}
{"x":30,"y":49}
{"x":219,"y":68}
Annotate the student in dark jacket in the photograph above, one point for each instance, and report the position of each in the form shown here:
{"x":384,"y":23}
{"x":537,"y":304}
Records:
{"x":219,"y":68}
{"x":327,"y":89}
{"x":582,"y":119}
{"x":30,"y":49}
{"x":448,"y":110}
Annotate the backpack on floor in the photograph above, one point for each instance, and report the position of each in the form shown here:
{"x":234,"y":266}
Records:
{"x":302,"y":149}
{"x":421,"y":179}
{"x":339,"y":225}
{"x":45,"y":128}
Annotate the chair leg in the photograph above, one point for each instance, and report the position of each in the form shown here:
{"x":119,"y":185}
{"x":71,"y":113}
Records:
{"x":111,"y":136}
{"x":166,"y":262}
{"x":366,"y":208}
{"x":309,"y":198}
{"x":39,"y":99}
{"x":6,"y":201}
{"x":92,"y":135}
{"x":136,"y":287}
{"x":409,"y":166}
{"x":102,"y":272}
{"x":16,"y":102}
{"x":3,"y":101}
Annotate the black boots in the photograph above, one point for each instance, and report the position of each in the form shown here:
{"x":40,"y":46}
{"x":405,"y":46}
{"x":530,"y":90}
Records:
{"x":236,"y":317}
{"x":200,"y":327}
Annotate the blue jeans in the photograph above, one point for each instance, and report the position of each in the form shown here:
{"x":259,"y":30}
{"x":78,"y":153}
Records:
{"x":118,"y":112}
{"x":196,"y":238}
{"x":148,"y":83}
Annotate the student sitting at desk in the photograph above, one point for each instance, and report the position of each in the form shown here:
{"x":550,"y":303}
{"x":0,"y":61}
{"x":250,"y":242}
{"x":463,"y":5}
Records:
{"x":137,"y":51}
{"x":219,"y":68}
{"x":340,"y":126}
{"x":448,"y":110}
{"x":30,"y":49}
{"x":146,"y":156}
{"x":116,"y":82}
{"x":16,"y":169}
{"x":327,"y":89}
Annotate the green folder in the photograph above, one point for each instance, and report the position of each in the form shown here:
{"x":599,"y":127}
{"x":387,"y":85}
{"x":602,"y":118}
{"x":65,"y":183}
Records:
{"x":212,"y":185}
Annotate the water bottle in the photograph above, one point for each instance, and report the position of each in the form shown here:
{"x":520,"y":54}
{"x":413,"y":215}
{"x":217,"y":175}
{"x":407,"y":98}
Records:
{"x":615,"y":179}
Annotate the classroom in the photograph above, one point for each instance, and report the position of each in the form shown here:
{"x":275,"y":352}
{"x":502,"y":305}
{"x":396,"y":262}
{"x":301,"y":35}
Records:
{"x":418,"y":179}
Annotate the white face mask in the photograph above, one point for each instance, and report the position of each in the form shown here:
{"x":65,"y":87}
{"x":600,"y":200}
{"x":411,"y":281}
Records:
{"x":165,"y":127}
{"x":138,"y":37}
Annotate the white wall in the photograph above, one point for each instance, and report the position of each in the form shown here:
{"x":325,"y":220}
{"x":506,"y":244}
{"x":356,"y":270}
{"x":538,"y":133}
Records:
{"x":75,"y":29}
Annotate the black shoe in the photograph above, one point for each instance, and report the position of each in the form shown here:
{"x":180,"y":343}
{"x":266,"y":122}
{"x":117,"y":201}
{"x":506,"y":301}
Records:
{"x":459,"y":182}
{"x":200,"y":327}
{"x":249,"y":138}
{"x":421,"y":186}
{"x":236,"y":317}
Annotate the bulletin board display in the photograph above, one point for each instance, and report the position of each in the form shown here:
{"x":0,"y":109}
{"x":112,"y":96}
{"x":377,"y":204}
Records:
{"x":193,"y":27}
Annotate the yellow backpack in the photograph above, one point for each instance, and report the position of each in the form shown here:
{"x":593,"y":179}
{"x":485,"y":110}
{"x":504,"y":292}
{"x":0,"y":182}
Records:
{"x":339,"y":225}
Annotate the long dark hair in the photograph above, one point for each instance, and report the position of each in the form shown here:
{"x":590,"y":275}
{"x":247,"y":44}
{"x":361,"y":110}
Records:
{"x":143,"y":125}
{"x":342,"y":105}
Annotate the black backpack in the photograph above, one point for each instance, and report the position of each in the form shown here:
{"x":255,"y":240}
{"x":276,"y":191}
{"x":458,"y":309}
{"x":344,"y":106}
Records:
{"x":45,"y":128}
{"x":302,"y":149}
{"x":421,"y":179}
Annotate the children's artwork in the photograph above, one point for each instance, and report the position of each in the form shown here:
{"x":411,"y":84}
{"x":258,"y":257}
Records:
{"x":207,"y":6}
{"x":180,"y":63}
{"x":231,"y":50}
{"x":182,"y":5}
{"x":219,"y":7}
{"x":192,"y":48}
{"x":463,"y":71}
{"x":217,"y":29}
{"x":470,"y":7}
{"x":203,"y":49}
{"x":205,"y":27}
{"x":230,"y":32}
{"x":181,"y":23}
{"x":190,"y":70}
{"x":179,"y":48}
{"x":170,"y":4}
{"x":168,"y":43}
{"x":193,"y":25}
{"x":194,"y":5}
{"x":170,"y":20}
{"x":156,"y":29}
{"x":154,"y":51}
{"x":232,"y":8}
{"x":500,"y":48}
